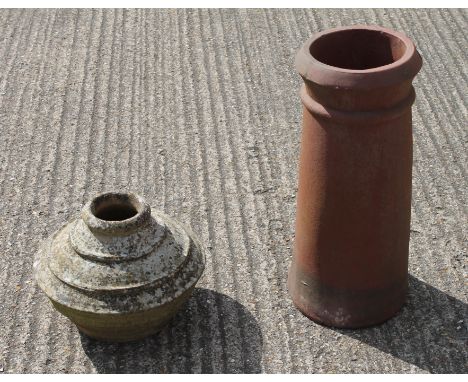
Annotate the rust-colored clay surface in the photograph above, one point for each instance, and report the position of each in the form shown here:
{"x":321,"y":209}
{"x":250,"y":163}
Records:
{"x":354,"y":200}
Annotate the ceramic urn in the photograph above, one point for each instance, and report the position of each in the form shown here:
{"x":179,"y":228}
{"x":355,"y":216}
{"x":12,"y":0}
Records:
{"x":121,"y":270}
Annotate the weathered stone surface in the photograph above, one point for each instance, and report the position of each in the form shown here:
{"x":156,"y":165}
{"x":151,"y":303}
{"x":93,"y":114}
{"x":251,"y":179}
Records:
{"x":119,"y":279}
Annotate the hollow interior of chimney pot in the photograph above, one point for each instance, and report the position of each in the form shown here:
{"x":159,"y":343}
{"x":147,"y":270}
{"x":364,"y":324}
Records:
{"x":357,"y":49}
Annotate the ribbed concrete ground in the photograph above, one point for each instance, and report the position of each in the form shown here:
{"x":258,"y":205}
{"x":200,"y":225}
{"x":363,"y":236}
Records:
{"x":199,"y":112}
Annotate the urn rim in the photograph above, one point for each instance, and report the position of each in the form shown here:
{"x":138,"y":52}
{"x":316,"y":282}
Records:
{"x":116,"y":213}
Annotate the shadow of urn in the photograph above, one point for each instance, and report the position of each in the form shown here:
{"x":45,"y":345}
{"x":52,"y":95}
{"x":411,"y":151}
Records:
{"x":212,"y":333}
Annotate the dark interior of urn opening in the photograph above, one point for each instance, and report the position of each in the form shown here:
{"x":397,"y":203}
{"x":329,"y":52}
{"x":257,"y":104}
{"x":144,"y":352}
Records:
{"x":114,"y":208}
{"x":357,"y":49}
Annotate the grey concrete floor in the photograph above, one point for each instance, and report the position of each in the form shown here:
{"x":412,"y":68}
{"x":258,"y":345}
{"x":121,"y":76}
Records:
{"x":198,"y":110}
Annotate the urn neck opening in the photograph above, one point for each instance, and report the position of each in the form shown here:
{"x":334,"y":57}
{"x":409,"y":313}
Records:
{"x":116,"y":213}
{"x":357,"y":49}
{"x":116,"y":208}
